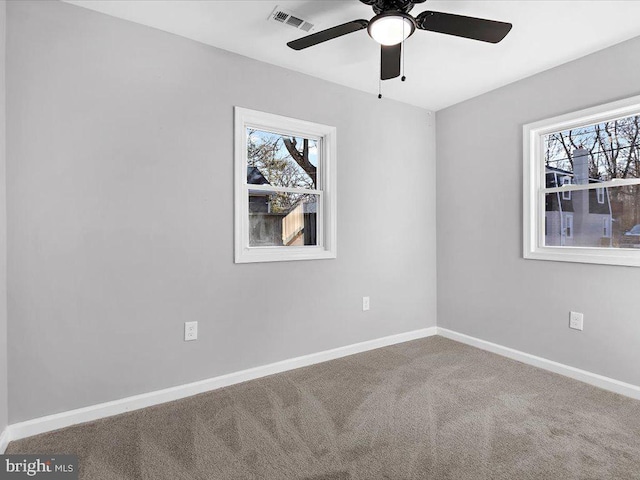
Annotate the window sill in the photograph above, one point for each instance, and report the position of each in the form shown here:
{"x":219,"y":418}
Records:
{"x":605,"y":256}
{"x":283,"y":254}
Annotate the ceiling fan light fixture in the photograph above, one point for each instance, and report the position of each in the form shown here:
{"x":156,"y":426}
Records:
{"x":391,"y":28}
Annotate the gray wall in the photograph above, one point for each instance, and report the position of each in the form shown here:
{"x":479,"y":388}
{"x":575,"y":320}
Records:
{"x":485,"y":288}
{"x":120,"y":187}
{"x":3,"y":227}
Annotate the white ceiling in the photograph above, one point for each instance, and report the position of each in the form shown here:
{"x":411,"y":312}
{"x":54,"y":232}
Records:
{"x":441,"y":70}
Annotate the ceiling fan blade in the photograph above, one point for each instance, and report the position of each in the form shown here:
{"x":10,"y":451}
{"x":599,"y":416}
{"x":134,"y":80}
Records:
{"x":328,"y":34}
{"x":467,"y":27}
{"x":390,"y":61}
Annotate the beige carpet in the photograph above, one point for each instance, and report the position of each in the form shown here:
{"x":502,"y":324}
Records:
{"x":427,"y":409}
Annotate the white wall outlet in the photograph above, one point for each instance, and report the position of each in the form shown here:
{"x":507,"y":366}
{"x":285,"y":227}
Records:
{"x":190,"y":331}
{"x":365,"y":304}
{"x":576,"y":320}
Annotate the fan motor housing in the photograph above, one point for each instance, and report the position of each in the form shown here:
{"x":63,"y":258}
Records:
{"x":381,"y":6}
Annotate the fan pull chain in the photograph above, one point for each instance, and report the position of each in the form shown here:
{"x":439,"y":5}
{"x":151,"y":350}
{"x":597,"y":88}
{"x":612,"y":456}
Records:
{"x":380,"y":81}
{"x":402,"y":51}
{"x":403,"y":78}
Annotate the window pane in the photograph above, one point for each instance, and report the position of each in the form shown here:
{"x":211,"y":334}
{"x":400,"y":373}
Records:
{"x":589,"y":220}
{"x":602,"y":151}
{"x":282,"y":219}
{"x":280,"y":160}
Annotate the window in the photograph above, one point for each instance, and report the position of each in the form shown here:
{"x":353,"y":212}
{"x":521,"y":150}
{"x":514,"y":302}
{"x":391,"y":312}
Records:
{"x":568,"y":226}
{"x":566,"y":194}
{"x":582,"y":186}
{"x":606,"y":227}
{"x":285,"y":188}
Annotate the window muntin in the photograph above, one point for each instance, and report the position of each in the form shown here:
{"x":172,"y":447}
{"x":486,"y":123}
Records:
{"x":285,"y":188}
{"x":586,"y":165}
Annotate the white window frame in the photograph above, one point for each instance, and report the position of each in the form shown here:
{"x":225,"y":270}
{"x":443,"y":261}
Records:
{"x":534,"y":187}
{"x":600,"y":195}
{"x":325,"y":188}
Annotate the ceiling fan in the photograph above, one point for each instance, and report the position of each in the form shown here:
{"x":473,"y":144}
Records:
{"x":392,"y":25}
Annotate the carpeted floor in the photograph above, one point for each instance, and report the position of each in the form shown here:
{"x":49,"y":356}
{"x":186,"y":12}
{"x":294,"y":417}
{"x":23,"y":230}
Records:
{"x":427,"y":409}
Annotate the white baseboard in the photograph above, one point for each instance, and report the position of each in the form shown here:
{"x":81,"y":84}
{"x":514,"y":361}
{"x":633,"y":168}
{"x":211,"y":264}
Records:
{"x":600,"y":381}
{"x":4,"y":440}
{"x":108,"y":409}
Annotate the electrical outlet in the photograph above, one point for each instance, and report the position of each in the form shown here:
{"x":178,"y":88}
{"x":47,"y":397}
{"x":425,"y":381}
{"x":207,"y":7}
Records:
{"x":365,"y":304}
{"x":576,"y":320}
{"x":190,"y":331}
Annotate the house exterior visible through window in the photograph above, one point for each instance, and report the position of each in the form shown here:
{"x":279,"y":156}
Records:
{"x":284,"y":188}
{"x":582,"y":186}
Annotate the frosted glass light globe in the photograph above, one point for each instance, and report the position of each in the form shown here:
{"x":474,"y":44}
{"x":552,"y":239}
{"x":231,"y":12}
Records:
{"x":390,"y":29}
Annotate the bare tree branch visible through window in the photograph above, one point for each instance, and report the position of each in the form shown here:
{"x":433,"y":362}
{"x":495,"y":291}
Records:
{"x":614,"y":152}
{"x":272,"y":153}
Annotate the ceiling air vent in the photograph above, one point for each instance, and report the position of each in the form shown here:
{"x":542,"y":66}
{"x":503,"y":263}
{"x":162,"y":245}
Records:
{"x":289,"y":18}
{"x":294,"y":21}
{"x":280,"y":16}
{"x":306,"y":26}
